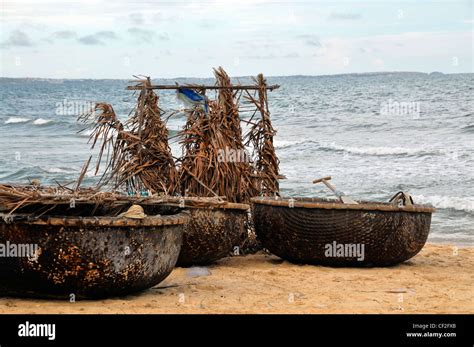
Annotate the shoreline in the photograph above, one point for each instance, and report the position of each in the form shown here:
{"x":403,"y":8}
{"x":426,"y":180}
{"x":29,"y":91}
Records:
{"x":350,"y":74}
{"x":450,"y":243}
{"x":263,"y":283}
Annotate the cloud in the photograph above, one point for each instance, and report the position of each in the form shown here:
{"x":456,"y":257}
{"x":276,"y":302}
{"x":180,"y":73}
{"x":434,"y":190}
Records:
{"x":164,"y":53}
{"x":292,"y":55}
{"x":205,"y":24}
{"x":172,"y":17}
{"x":164,"y":36}
{"x":17,"y":38}
{"x":384,"y":52}
{"x":141,"y":34}
{"x":147,"y":36}
{"x":345,"y":16}
{"x":64,"y":34}
{"x":260,"y":57}
{"x":98,"y":38}
{"x":35,"y":26}
{"x":147,"y":19}
{"x":256,"y":44}
{"x":106,"y":35}
{"x":136,"y":18}
{"x":90,"y":40}
{"x":313,"y":42}
{"x":378,"y":64}
{"x":60,"y":35}
{"x":310,"y":40}
{"x":367,"y":48}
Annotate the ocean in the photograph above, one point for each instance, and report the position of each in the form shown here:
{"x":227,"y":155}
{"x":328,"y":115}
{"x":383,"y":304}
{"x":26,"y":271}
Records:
{"x":375,"y":134}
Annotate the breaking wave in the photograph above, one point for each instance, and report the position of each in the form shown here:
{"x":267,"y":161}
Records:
{"x":16,"y":120}
{"x":465,"y":204}
{"x":41,"y":121}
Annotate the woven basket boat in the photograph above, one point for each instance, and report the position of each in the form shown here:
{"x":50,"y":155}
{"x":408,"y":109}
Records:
{"x":327,"y":232}
{"x":88,"y":257}
{"x":212,"y":232}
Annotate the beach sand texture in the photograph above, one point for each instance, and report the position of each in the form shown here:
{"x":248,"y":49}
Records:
{"x":440,"y":279}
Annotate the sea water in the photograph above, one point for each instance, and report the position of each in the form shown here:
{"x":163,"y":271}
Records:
{"x":375,"y":134}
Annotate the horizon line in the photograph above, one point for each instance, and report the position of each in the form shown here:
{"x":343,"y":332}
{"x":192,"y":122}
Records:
{"x":245,"y":76}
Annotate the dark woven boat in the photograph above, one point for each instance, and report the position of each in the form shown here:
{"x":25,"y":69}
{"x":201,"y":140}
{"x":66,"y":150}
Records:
{"x":212,"y":232}
{"x":327,"y":232}
{"x":88,"y":257}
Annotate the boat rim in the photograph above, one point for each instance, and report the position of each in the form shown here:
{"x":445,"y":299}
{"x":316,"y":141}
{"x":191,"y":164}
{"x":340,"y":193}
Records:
{"x":224,"y":206}
{"x":207,"y":203}
{"x":96,"y":221}
{"x":328,"y":204}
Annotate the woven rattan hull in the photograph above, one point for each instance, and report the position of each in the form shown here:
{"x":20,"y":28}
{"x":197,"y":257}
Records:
{"x":89,"y":257}
{"x":212,"y":234}
{"x":319,"y":232}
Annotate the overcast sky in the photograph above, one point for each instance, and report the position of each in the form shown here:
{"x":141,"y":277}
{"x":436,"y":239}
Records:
{"x":117,"y":39}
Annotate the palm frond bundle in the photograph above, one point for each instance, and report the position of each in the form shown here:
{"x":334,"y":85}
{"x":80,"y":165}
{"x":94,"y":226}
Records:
{"x":214,"y":161}
{"x":139,"y":158}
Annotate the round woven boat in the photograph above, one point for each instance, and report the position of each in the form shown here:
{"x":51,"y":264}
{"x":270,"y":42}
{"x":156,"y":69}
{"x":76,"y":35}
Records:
{"x":88,"y":257}
{"x":327,"y":232}
{"x":212,"y":232}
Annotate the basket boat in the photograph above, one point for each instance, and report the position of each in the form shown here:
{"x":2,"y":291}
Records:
{"x":327,"y":232}
{"x":212,"y":231}
{"x":89,"y":257}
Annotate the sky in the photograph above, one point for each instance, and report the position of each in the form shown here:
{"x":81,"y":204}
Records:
{"x":121,"y":38}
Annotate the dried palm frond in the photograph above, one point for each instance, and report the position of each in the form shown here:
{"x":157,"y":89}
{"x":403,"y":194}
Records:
{"x":260,"y":137}
{"x":207,"y":139}
{"x":15,"y":197}
{"x":149,"y":163}
{"x":139,"y":158}
{"x":105,"y":126}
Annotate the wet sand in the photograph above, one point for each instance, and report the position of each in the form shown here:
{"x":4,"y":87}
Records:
{"x":440,"y":279}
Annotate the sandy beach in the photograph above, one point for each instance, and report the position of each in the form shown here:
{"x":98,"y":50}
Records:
{"x":438,"y":280}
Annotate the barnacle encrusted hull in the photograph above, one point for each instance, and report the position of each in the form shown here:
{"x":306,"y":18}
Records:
{"x":213,"y":233}
{"x":91,"y":257}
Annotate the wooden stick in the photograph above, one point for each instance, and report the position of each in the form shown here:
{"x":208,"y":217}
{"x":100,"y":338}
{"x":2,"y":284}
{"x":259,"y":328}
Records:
{"x":83,"y":173}
{"x":195,"y":86}
{"x":202,"y":184}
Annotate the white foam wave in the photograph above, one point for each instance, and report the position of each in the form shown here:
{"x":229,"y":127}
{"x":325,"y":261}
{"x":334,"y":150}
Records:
{"x":363,"y":150}
{"x":88,"y":133}
{"x":85,"y":133}
{"x":91,"y":172}
{"x":286,"y":143}
{"x":41,"y":121}
{"x":447,"y":202}
{"x":15,"y":120}
{"x":382,"y":150}
{"x":59,"y":170}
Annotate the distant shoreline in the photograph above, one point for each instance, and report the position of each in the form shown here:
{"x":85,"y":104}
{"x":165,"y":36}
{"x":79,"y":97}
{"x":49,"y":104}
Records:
{"x":354,"y":74}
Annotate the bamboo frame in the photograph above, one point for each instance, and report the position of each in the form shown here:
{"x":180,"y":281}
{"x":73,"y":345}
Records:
{"x":203,"y":87}
{"x":137,"y":157}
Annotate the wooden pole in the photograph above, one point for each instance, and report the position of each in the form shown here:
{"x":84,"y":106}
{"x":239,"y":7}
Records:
{"x":201,"y":87}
